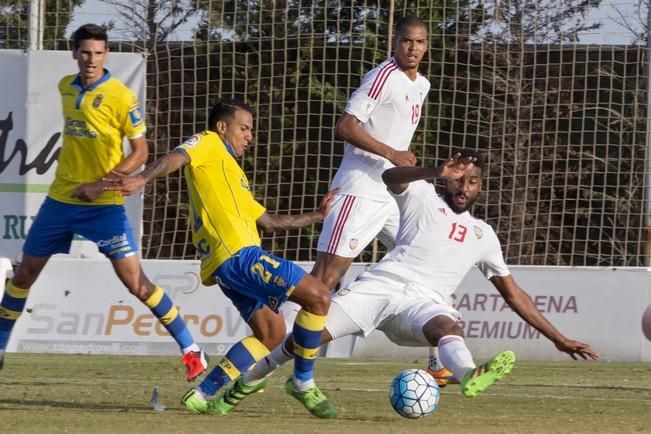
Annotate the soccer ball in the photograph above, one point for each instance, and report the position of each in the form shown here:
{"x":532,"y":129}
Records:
{"x":414,"y":393}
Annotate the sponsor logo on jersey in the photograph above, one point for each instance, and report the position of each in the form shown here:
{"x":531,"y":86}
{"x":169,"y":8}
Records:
{"x":342,"y":292}
{"x":192,"y":141}
{"x":98,"y":101}
{"x":442,"y":211}
{"x":280,"y":282}
{"x":136,"y":116}
{"x":353,"y":243}
{"x":478,"y":232}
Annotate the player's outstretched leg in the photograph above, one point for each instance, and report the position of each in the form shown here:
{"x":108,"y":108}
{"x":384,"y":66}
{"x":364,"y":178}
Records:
{"x":238,"y":359}
{"x":440,"y":373}
{"x":255,"y":379}
{"x":480,"y":378}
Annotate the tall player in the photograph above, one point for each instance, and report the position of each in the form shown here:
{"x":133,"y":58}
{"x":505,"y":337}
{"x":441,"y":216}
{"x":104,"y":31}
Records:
{"x":378,"y":124}
{"x":98,"y":111}
{"x":224,"y":224}
{"x":405,"y":294}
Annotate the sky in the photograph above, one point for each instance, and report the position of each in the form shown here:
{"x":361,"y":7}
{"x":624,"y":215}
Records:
{"x":610,"y":33}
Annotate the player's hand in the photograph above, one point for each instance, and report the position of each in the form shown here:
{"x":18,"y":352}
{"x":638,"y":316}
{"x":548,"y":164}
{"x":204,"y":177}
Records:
{"x":326,"y":203}
{"x":125,"y":184}
{"x":89,"y":192}
{"x":402,"y":158}
{"x":575,"y":348}
{"x":456,"y":166}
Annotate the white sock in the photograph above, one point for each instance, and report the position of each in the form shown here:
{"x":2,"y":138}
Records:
{"x":434,"y":360}
{"x":455,"y":355}
{"x":304,"y":386}
{"x":194,"y":347}
{"x":266,"y":366}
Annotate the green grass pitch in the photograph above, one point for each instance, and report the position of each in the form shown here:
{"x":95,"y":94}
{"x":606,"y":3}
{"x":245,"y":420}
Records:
{"x":42,"y":393}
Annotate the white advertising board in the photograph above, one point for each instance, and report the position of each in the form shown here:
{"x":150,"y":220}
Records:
{"x":30,"y":137}
{"x":79,"y":306}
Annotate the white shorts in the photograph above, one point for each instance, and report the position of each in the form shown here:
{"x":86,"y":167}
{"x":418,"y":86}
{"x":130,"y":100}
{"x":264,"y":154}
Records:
{"x":353,"y":222}
{"x":386,"y":303}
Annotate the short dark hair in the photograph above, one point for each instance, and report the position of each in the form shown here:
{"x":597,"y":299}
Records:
{"x":89,"y":31}
{"x":467,"y":152}
{"x":409,"y":21}
{"x":225,"y":109}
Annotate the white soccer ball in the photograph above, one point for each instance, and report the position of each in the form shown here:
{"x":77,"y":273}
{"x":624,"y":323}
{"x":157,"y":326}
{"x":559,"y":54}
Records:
{"x":414,"y":393}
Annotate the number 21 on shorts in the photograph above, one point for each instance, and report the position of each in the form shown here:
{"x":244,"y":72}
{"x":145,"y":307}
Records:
{"x":258,"y":268}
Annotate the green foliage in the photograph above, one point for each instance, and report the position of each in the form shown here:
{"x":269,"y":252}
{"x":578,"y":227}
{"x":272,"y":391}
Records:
{"x":14,"y":23}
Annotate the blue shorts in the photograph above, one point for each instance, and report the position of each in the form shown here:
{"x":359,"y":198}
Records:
{"x":253,"y":278}
{"x":56,"y":224}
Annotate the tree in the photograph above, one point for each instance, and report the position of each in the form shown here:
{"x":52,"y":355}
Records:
{"x":151,"y":21}
{"x":540,"y":105}
{"x":14,"y":23}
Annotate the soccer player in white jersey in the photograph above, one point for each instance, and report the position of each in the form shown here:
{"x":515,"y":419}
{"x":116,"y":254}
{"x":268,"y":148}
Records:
{"x":378,"y":124}
{"x":406,"y":294}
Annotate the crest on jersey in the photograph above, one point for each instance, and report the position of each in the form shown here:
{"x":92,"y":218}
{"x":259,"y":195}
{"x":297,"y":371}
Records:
{"x":442,"y":211}
{"x":244,"y":183}
{"x":353,"y":243}
{"x":342,"y":292}
{"x":478,"y":232}
{"x":98,"y":101}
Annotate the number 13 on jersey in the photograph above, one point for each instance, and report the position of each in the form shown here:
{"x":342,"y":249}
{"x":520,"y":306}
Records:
{"x":458,"y":232}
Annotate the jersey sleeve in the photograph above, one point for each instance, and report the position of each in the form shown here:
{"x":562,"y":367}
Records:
{"x":133,"y":122}
{"x":411,"y":199}
{"x":492,"y":263}
{"x":370,"y":94}
{"x":199,"y":150}
{"x":255,"y":208}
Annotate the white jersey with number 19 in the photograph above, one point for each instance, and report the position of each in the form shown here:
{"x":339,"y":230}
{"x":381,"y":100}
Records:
{"x":388,"y":104}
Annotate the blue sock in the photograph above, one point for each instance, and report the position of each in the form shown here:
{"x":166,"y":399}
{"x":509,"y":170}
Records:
{"x":238,"y":359}
{"x":307,"y":339}
{"x":167,"y":313}
{"x":11,"y":307}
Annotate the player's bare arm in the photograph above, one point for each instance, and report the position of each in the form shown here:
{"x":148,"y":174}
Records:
{"x":90,"y":191}
{"x":397,"y":178}
{"x":274,"y":223}
{"x":522,"y":304}
{"x":348,"y":129}
{"x":165,"y":165}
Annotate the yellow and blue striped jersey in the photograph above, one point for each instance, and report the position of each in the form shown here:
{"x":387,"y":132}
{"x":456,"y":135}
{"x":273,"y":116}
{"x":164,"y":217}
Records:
{"x":223,"y":209}
{"x":96,"y":120}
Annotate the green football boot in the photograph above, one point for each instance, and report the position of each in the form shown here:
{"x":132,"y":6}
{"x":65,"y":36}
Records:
{"x":237,"y":392}
{"x":194,"y":402}
{"x":480,"y":378}
{"x":313,"y":399}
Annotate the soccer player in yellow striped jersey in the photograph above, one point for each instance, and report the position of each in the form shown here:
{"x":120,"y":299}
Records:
{"x":225,"y":221}
{"x":98,"y":111}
